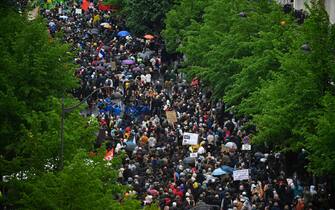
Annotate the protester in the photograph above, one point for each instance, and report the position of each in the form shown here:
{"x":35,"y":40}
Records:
{"x":138,"y":87}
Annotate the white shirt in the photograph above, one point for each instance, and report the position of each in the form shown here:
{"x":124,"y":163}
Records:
{"x":152,"y":141}
{"x":148,"y":78}
{"x":201,"y":150}
{"x":143,"y":78}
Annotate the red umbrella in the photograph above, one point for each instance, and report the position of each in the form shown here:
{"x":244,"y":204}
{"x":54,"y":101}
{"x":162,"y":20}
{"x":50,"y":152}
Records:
{"x":149,"y":36}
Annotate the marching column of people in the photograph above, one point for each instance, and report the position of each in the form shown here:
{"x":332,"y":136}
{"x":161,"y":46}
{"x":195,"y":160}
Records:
{"x":140,"y":88}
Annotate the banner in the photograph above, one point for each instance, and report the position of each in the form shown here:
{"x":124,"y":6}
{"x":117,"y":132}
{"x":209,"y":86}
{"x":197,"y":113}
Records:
{"x":171,"y":116}
{"x":239,"y":175}
{"x":246,"y":147}
{"x":190,"y":138}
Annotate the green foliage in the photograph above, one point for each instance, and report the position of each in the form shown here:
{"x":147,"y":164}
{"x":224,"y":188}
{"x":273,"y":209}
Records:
{"x":83,"y":184}
{"x":256,"y":62}
{"x":145,"y":16}
{"x":223,"y":44}
{"x":114,"y":2}
{"x":321,"y":144}
{"x":179,"y":19}
{"x":35,"y":72}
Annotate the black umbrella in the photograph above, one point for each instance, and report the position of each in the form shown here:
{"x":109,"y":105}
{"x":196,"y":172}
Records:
{"x":189,"y":160}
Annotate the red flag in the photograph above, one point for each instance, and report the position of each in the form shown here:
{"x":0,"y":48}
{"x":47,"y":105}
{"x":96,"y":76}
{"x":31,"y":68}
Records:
{"x":85,"y":5}
{"x":109,"y":154}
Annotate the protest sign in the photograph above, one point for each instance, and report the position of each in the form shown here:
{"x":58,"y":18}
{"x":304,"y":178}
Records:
{"x":190,"y":138}
{"x":78,"y":11}
{"x":171,"y":116}
{"x":246,"y":147}
{"x":194,"y":155}
{"x":239,"y":175}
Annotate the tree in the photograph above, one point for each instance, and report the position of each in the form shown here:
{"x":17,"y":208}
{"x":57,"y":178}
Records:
{"x":84,"y":183}
{"x":266,"y":66}
{"x":144,"y":16}
{"x":35,"y":72}
{"x":289,"y":110}
{"x":179,"y":18}
{"x":225,"y":42}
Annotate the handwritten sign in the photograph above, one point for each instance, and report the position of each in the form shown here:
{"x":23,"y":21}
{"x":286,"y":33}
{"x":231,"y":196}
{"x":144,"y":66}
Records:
{"x":190,"y":138}
{"x":239,"y":175}
{"x":171,"y":116}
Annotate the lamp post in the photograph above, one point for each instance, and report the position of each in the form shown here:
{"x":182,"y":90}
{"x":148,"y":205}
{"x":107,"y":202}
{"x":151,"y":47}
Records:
{"x":67,"y":110}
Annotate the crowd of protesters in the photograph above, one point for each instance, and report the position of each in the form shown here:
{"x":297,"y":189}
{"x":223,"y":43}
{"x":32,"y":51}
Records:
{"x":139,"y":86}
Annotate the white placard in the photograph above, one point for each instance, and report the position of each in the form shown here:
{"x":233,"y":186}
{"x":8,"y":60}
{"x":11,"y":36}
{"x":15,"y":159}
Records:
{"x":246,"y":147}
{"x":78,"y":11}
{"x":241,"y":174}
{"x":194,"y":155}
{"x":190,"y":138}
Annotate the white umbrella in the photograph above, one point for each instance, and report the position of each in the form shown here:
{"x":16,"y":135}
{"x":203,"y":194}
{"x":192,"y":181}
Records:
{"x":231,"y":145}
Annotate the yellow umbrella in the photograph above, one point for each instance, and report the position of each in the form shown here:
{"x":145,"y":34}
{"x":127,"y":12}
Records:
{"x":106,"y":25}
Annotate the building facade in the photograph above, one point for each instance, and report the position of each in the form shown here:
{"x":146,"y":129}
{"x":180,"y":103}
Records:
{"x":300,"y":4}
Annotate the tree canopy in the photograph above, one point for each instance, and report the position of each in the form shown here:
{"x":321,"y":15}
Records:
{"x":36,"y":71}
{"x":143,"y":16}
{"x":264,"y":65}
{"x":85,"y":183}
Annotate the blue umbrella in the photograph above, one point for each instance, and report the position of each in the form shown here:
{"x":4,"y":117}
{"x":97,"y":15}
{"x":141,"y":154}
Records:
{"x":123,"y":33}
{"x":219,"y":172}
{"x":227,"y":169}
{"x":130,"y":146}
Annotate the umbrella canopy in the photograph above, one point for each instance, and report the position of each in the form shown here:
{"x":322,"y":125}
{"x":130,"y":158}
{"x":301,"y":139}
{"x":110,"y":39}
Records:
{"x":137,"y":69}
{"x":189,"y":160}
{"x":231,"y":145}
{"x":227,"y":169}
{"x":128,"y":62}
{"x":94,"y":31}
{"x":123,"y":33}
{"x":130,"y":146}
{"x":219,"y":172}
{"x":51,"y":24}
{"x":106,"y":25}
{"x":116,"y":95}
{"x":100,"y":68}
{"x":149,"y":37}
